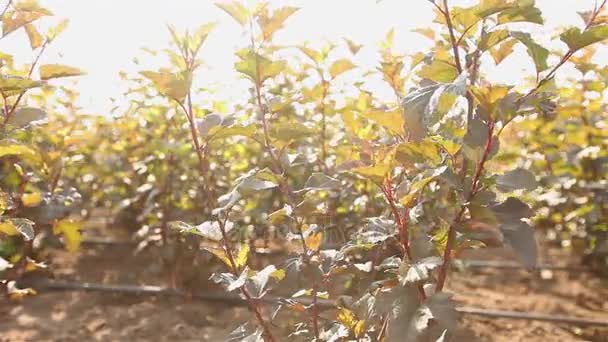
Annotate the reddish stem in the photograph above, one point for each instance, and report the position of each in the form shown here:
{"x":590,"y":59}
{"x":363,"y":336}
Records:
{"x":447,"y":255}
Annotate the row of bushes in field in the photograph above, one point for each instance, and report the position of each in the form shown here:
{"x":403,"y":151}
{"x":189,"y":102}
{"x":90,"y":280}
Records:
{"x":358,"y":190}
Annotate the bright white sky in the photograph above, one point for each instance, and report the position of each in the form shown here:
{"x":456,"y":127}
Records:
{"x":105,"y":35}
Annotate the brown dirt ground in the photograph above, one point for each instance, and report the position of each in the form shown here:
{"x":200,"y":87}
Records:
{"x":79,"y":316}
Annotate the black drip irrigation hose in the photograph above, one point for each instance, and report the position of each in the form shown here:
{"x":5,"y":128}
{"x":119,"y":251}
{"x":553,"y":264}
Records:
{"x":58,"y":285}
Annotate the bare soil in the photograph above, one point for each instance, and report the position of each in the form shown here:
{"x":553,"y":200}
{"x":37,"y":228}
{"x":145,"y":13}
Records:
{"x":89,"y":316}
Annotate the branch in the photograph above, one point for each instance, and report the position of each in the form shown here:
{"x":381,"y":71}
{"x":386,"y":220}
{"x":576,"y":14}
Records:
{"x":447,"y":255}
{"x":448,"y":20}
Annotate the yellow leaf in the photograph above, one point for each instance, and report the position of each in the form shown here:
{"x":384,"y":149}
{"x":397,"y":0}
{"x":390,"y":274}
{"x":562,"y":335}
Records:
{"x":19,"y":294}
{"x":236,"y":10}
{"x":243,"y":255}
{"x":427,"y":32}
{"x":19,"y":18}
{"x":56,"y":30}
{"x":391,"y":120}
{"x":9,"y":85}
{"x":70,"y":229}
{"x":490,"y":96}
{"x":175,"y":86}
{"x":31,"y":199}
{"x":49,"y":71}
{"x":313,"y":241}
{"x":340,"y":66}
{"x":352,"y":46}
{"x":8,"y":228}
{"x":220,"y":253}
{"x":359,"y":328}
{"x":502,"y":51}
{"x":439,"y":71}
{"x":346,"y":317}
{"x":279,"y":274}
{"x":35,"y":37}
{"x":273,"y":23}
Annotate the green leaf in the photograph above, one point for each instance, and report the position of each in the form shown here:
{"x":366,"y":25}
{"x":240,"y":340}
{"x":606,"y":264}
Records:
{"x":340,"y":66}
{"x":26,"y":115}
{"x":236,"y":10}
{"x":576,"y":40}
{"x":49,"y":71}
{"x":538,"y":53}
{"x":517,"y":179}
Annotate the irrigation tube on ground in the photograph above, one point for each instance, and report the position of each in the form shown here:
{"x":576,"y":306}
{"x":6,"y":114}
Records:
{"x":58,"y":285}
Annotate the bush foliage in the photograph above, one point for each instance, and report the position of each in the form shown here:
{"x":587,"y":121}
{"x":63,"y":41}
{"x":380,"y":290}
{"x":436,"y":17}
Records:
{"x":372,"y":198}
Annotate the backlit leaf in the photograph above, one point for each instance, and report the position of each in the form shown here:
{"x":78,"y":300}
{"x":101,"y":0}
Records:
{"x":56,"y":30}
{"x":313,"y":241}
{"x":235,"y":9}
{"x":34,"y":36}
{"x":21,"y":17}
{"x":438,"y":71}
{"x":70,"y":230}
{"x":175,"y":86}
{"x":49,"y":71}
{"x":32,"y":199}
{"x":391,"y":120}
{"x":352,"y":46}
{"x":576,"y":40}
{"x":242,"y":256}
{"x":340,"y":66}
{"x":258,"y":67}
{"x":523,"y":10}
{"x":273,"y":23}
{"x":503,"y":50}
{"x":9,"y":84}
